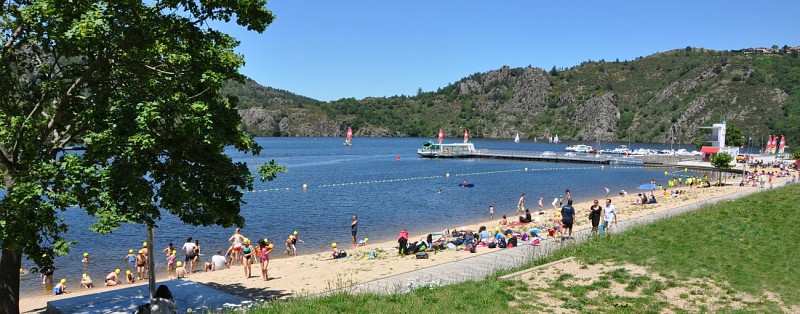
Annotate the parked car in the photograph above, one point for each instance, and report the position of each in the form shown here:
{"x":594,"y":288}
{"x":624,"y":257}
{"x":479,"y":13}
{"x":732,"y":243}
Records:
{"x":741,"y":159}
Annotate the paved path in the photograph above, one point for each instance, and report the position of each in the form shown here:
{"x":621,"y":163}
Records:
{"x":481,"y":266}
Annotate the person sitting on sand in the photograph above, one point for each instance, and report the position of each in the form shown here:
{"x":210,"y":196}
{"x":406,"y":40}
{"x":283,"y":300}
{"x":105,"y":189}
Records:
{"x":335,"y":253}
{"x":129,"y":277}
{"x":363,"y":242}
{"x":402,"y":241}
{"x":113,"y":278}
{"x":527,"y":217}
{"x":86,"y":281}
{"x":61,"y":287}
{"x":162,"y":301}
{"x":180,"y":271}
{"x":503,"y":221}
{"x":218,"y":262}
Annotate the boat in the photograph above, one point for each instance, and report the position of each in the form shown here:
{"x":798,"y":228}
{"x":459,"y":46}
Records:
{"x":555,"y":139}
{"x":620,"y":150}
{"x":348,"y":137}
{"x":580,"y":148}
{"x":432,"y":149}
{"x":516,"y":138}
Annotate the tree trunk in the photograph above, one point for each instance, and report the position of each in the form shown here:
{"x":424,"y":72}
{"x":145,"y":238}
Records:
{"x":10,"y":263}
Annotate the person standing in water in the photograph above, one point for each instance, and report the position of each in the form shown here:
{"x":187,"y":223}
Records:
{"x":491,"y":212}
{"x":520,"y":205}
{"x":236,"y":241}
{"x":354,"y":229}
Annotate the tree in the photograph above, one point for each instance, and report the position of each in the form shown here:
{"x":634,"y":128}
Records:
{"x":137,"y":86}
{"x":721,"y":161}
{"x":554,"y":71}
{"x":734,"y":137}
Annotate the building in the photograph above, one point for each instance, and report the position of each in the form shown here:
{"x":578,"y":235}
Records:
{"x":718,"y":142}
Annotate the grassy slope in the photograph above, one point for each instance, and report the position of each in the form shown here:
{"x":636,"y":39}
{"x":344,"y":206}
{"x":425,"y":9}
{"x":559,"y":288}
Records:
{"x":749,"y":243}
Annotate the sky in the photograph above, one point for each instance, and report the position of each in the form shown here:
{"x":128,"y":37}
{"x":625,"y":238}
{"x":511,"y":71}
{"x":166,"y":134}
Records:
{"x":328,"y":50}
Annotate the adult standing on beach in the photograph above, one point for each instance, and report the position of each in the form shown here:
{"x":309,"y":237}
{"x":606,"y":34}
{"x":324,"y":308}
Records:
{"x":146,"y":253}
{"x":521,"y":205}
{"x":568,"y":193}
{"x":189,"y":249}
{"x":247,"y":254}
{"x":354,"y":229}
{"x":168,"y":251}
{"x":236,"y":241}
{"x":594,"y":215}
{"x":609,"y":214}
{"x":568,"y":217}
{"x":295,"y":238}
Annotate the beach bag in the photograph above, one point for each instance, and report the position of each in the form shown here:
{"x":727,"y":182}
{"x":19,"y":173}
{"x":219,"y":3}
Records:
{"x":342,"y":254}
{"x":536,"y":242}
{"x":492,"y":245}
{"x":601,"y":229}
{"x":421,"y":255}
{"x":501,"y":243}
{"x":512,"y":241}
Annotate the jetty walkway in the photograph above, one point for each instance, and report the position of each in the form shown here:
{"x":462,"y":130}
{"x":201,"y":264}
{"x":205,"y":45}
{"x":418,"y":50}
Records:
{"x":547,"y":156}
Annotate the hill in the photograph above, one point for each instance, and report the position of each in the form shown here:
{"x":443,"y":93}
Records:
{"x":663,"y":98}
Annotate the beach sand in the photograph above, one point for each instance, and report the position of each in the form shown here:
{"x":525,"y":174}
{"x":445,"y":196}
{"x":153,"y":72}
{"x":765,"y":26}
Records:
{"x":312,"y":274}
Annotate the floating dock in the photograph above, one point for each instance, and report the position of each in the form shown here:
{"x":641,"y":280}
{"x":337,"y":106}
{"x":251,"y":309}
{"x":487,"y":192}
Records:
{"x":545,"y":157}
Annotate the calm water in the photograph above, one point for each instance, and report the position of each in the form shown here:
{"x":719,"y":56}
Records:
{"x":365,"y":180}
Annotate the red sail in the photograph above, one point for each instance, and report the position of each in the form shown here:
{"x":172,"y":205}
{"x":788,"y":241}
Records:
{"x":466,"y":135}
{"x":441,"y":136}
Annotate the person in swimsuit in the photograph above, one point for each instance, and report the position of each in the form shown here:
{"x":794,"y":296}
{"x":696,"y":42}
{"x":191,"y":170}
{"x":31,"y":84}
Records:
{"x":168,"y":250}
{"x":140,"y":262}
{"x":171,"y":263}
{"x":86,"y":281}
{"x":180,"y":271}
{"x":61,"y":287}
{"x":146,"y":254}
{"x":265,"y":249}
{"x":131,"y":258}
{"x":85,"y":258}
{"x":189,"y":249}
{"x":129,"y":277}
{"x":113,"y":278}
{"x":354,"y":229}
{"x":236,"y":240}
{"x":594,"y":216}
{"x":289,"y":246}
{"x":295,"y":238}
{"x":247,"y":254}
{"x":196,"y":259}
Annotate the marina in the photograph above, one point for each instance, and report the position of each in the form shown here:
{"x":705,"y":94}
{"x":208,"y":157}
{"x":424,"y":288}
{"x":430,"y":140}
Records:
{"x":467,"y":150}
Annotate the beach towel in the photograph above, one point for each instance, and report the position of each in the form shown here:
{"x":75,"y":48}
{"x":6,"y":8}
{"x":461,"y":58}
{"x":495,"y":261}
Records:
{"x":516,"y":224}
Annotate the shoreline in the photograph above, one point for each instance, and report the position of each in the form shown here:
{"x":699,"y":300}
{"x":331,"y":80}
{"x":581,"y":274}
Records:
{"x":314,"y":273}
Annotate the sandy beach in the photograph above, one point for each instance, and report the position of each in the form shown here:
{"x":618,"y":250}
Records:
{"x":316,"y":273}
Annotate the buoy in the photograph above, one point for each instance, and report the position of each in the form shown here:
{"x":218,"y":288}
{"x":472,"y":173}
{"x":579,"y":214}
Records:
{"x":602,"y":167}
{"x":398,"y":157}
{"x":526,"y":168}
{"x":305,"y":186}
{"x":447,"y":174}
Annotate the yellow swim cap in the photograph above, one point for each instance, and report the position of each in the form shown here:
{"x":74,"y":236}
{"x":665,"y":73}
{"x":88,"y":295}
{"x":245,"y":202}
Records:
{"x":85,"y":254}
{"x":130,"y":251}
{"x":266,"y":240}
{"x":116,"y":270}
{"x":366,"y":239}
{"x":333,"y":244}
{"x":141,"y":251}
{"x":246,"y":240}
{"x":496,"y":228}
{"x":63,"y":281}
{"x":179,"y":264}
{"x":174,"y":252}
{"x":127,"y":272}
{"x":144,"y":244}
{"x":83,"y":276}
{"x":21,"y":271}
{"x":295,"y":232}
{"x":271,"y":245}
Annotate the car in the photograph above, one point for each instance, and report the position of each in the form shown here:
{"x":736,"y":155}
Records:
{"x":741,"y":159}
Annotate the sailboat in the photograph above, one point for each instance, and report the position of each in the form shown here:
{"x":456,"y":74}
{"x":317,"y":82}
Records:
{"x":555,"y":139}
{"x":348,"y":137}
{"x":516,"y":138}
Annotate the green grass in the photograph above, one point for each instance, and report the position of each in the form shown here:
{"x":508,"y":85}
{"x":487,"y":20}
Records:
{"x":746,"y":245}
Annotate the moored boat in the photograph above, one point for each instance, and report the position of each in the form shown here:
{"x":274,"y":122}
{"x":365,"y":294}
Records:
{"x":434,"y":150}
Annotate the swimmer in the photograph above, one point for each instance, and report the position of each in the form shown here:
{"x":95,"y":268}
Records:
{"x":131,"y":258}
{"x":295,"y":238}
{"x":140,"y":262}
{"x":85,"y":258}
{"x":112,"y":279}
{"x":86,"y":281}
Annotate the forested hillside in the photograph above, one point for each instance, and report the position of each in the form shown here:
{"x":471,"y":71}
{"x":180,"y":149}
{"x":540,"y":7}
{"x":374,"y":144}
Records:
{"x":663,"y":98}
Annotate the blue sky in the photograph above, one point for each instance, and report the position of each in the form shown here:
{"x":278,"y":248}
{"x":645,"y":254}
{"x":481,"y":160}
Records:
{"x":329,"y":50}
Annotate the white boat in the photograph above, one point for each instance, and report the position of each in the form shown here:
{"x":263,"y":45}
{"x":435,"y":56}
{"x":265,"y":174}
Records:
{"x":435,"y":150}
{"x":620,"y":150}
{"x":580,"y":148}
{"x":516,"y":138}
{"x":555,"y":139}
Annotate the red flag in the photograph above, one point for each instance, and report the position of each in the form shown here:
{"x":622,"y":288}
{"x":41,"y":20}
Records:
{"x":466,"y":135}
{"x":441,"y":136}
{"x":782,"y":145}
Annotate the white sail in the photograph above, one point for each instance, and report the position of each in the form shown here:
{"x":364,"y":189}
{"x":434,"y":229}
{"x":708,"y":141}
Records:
{"x":555,"y":139}
{"x":516,"y":138}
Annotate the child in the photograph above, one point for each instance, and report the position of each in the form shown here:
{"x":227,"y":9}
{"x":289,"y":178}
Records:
{"x":60,"y":288}
{"x":129,"y":277}
{"x":180,"y":272}
{"x":131,"y":258}
{"x":86,"y":258}
{"x":335,"y":253}
{"x":140,"y":262}
{"x":86,"y":281}
{"x":289,"y":246}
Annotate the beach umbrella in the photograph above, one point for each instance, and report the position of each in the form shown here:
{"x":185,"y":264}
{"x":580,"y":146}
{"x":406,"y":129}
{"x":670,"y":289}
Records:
{"x":648,"y":186}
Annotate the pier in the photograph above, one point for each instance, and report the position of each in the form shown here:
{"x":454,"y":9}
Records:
{"x":544,"y":157}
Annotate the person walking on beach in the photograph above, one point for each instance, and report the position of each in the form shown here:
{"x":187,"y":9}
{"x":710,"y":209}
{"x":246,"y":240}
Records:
{"x":236,"y":241}
{"x":609,"y":215}
{"x":354,"y":229}
{"x":295,"y":238}
{"x":568,"y":217}
{"x":521,"y":205}
{"x":555,"y":203}
{"x":189,"y":249}
{"x":594,"y":216}
{"x":264,"y":257}
{"x":247,"y":255}
{"x":541,"y":206}
{"x":491,"y":212}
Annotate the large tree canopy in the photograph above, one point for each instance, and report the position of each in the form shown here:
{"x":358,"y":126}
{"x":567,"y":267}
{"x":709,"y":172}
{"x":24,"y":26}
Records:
{"x":135,"y":83}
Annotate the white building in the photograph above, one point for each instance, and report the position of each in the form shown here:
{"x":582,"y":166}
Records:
{"x":718,"y":142}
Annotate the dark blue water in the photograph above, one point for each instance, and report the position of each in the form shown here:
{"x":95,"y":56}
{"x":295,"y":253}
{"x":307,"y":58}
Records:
{"x":365,"y":179}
